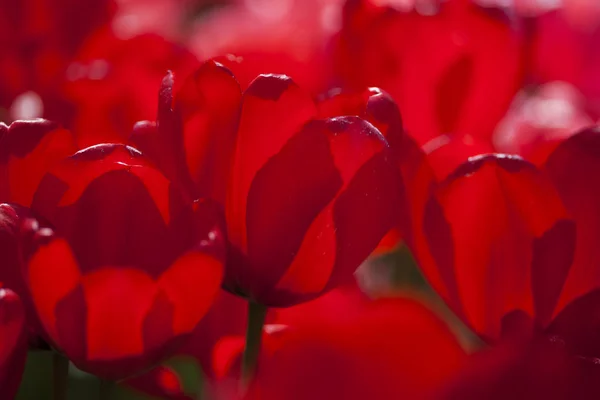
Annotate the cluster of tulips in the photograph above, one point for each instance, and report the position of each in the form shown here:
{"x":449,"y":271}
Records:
{"x":179,"y":178}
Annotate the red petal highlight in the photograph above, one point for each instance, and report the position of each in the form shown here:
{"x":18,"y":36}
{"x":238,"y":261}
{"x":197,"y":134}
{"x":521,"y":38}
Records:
{"x":45,"y":296}
{"x":117,"y":301}
{"x":209,"y":104}
{"x":191,"y":284}
{"x":273,"y":110}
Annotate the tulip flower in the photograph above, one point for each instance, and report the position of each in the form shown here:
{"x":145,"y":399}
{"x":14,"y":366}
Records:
{"x":291,"y":184}
{"x":538,"y":122}
{"x":288,"y":37}
{"x":123,"y":76}
{"x":538,"y":369}
{"x":127,"y":269}
{"x":497,"y":244}
{"x":564,"y":48}
{"x":440,"y":63}
{"x":38,"y":39}
{"x":351,"y":348}
{"x":511,"y":248}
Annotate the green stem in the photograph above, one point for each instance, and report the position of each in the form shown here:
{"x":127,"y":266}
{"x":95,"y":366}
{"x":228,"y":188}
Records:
{"x":106,"y":389}
{"x":60,"y":376}
{"x":256,"y":320}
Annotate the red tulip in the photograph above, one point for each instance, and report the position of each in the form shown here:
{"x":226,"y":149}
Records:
{"x":538,"y":122}
{"x":28,"y":149}
{"x":378,"y":108}
{"x":497,"y":244}
{"x":13,"y":343}
{"x":564,"y":48}
{"x":272,"y":36}
{"x":360,"y":349}
{"x":38,"y":38}
{"x":306,"y":199}
{"x":440,"y":68}
{"x":111,"y":83}
{"x":541,"y":369}
{"x":128,"y":269}
{"x":573,"y":168}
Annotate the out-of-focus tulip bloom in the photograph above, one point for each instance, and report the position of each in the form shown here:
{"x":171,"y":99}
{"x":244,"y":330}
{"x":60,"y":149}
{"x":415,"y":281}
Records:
{"x":344,"y":345}
{"x":574,"y":169}
{"x":128,"y":268}
{"x":276,"y":36}
{"x":440,"y":63}
{"x":13,"y":342}
{"x":28,"y":149}
{"x":540,"y":121}
{"x":38,"y":38}
{"x":111,"y":83}
{"x":306,"y":199}
{"x":565,"y":48}
{"x":446,"y":152}
{"x":541,"y":369}
{"x":163,"y":17}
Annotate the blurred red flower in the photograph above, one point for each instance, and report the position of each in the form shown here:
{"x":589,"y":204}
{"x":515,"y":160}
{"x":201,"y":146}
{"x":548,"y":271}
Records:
{"x":111,"y":83}
{"x":128,"y":268}
{"x":565,"y":48}
{"x":306,"y":199}
{"x":522,"y":371}
{"x":440,"y":62}
{"x":344,"y":345}
{"x":288,"y":37}
{"x":38,"y":38}
{"x":539,"y":121}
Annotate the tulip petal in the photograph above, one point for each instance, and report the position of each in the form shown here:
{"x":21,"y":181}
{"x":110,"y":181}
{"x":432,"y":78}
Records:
{"x":574,"y":167}
{"x":274,"y":109}
{"x":28,"y":149}
{"x":209,"y":103}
